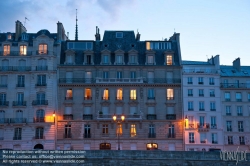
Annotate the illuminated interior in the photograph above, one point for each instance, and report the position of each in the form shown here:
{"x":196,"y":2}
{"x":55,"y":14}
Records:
{"x":133,"y":130}
{"x":119,"y":94}
{"x":119,"y":129}
{"x":6,"y":49}
{"x":106,"y":94}
{"x":133,"y":94}
{"x":170,"y":93}
{"x":69,"y":93}
{"x":87,"y":93}
{"x":23,"y":50}
{"x":152,"y":146}
{"x":148,"y":45}
{"x":43,"y":48}
{"x":169,"y":60}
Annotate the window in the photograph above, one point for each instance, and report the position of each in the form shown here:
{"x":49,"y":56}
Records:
{"x":227,"y":96}
{"x":248,"y":96}
{"x":3,"y":80}
{"x":133,"y":94}
{"x":151,"y":131}
{"x":213,"y":122}
{"x":201,"y":106}
{"x":119,"y":129}
{"x":229,"y":125}
{"x":105,"y":129}
{"x":212,"y":92}
{"x":119,"y":94}
{"x":151,"y":94}
{"x":191,"y":137}
{"x":228,"y":110}
{"x":202,"y":121}
{"x":132,"y":130}
{"x":238,"y":96}
{"x":20,"y":98}
{"x":23,"y":50}
{"x":105,"y":74}
{"x":69,"y":95}
{"x":119,"y":34}
{"x":211,"y":81}
{"x":41,"y":80}
{"x":214,"y":138}
{"x":190,"y":122}
{"x":87,"y":95}
{"x":242,"y":140}
{"x":69,"y":59}
{"x":42,"y":65}
{"x":133,"y":59}
{"x":20,"y":81}
{"x":230,"y":140}
{"x":169,"y":59}
{"x":133,"y":74}
{"x":201,"y":92}
{"x":119,"y":59}
{"x":3,"y":99}
{"x":39,"y":116}
{"x":239,"y":110}
{"x":42,"y":49}
{"x":170,"y":94}
{"x":119,"y":75}
{"x":151,"y":146}
{"x":105,"y":59}
{"x":212,"y":106}
{"x":17,"y":134}
{"x":9,"y":36}
{"x":158,"y":45}
{"x":240,"y":126}
{"x":190,"y":106}
{"x":67,"y":131}
{"x":105,"y":94}
{"x":225,"y":83}
{"x":171,"y":133}
{"x":190,"y":92}
{"x":6,"y":50}
{"x":190,"y":80}
{"x":40,"y":97}
{"x":150,"y":59}
{"x":200,"y":80}
{"x":88,"y":59}
{"x":87,"y":131}
{"x":203,"y":137}
{"x":105,"y":146}
{"x":39,"y":133}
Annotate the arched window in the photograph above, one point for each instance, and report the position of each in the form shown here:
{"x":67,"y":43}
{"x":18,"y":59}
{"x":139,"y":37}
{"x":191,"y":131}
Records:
{"x":38,"y":146}
{"x":6,"y":49}
{"x":23,"y":50}
{"x":43,"y":49}
{"x":39,"y":116}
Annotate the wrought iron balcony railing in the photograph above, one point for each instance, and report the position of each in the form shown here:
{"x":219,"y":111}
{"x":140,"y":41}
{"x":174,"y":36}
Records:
{"x":15,"y":53}
{"x":40,"y":102}
{"x":39,"y":119}
{"x":45,"y":52}
{"x":151,"y":135}
{"x":18,"y":120}
{"x":87,"y":135}
{"x":171,"y":135}
{"x":41,"y":84}
{"x":203,"y":125}
{"x":68,"y":117}
{"x":151,"y":116}
{"x":19,"y":103}
{"x":41,"y":68}
{"x":21,"y":68}
{"x":4,"y":120}
{"x":87,"y":117}
{"x":17,"y":138}
{"x":213,"y":126}
{"x":235,"y":85}
{"x":68,"y":135}
{"x":171,"y":116}
{"x":88,"y":98}
{"x":4,"y":103}
{"x":68,"y":98}
{"x":39,"y":137}
{"x":6,"y":68}
{"x":20,"y":85}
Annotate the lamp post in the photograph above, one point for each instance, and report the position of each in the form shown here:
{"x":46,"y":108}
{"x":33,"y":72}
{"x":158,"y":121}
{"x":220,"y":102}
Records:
{"x":54,"y":115}
{"x":118,"y":122}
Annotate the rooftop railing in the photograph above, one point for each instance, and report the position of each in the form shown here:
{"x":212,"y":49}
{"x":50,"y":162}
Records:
{"x":235,"y":85}
{"x":15,"y":53}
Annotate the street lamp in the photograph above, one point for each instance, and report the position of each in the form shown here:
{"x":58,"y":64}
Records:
{"x":118,"y":123}
{"x":186,"y":120}
{"x":54,"y":114}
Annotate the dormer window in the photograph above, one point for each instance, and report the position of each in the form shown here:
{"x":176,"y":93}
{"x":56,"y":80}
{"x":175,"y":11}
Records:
{"x":88,"y":57}
{"x":24,"y":36}
{"x":105,"y":57}
{"x":23,"y":50}
{"x":150,"y":57}
{"x":6,"y":49}
{"x":9,"y":36}
{"x":119,"y":34}
{"x":133,"y":57}
{"x":169,"y":60}
{"x":119,"y":57}
{"x":43,"y":49}
{"x":70,"y":57}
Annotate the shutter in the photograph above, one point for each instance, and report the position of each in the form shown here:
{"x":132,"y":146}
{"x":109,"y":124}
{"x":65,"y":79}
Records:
{"x":68,"y":110}
{"x":87,"y":110}
{"x":151,"y":110}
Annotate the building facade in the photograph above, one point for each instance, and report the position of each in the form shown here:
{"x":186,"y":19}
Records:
{"x":235,"y":99}
{"x":201,"y":103}
{"x":120,"y":75}
{"x":28,"y":83}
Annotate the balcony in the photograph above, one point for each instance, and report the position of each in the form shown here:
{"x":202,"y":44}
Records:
{"x":88,"y":135}
{"x":212,"y":109}
{"x":151,"y":116}
{"x":201,"y":83}
{"x":68,"y":98}
{"x":39,"y":137}
{"x":191,"y":141}
{"x":87,"y":116}
{"x":212,"y":95}
{"x":190,"y":94}
{"x":230,"y":143}
{"x":37,"y":120}
{"x":235,"y":85}
{"x":15,"y":53}
{"x":214,"y":142}
{"x":191,"y":126}
{"x":6,"y":68}
{"x":151,"y":98}
{"x":171,"y":135}
{"x":76,"y":80}
{"x":20,"y":85}
{"x":228,"y":114}
{"x":21,"y":68}
{"x":171,"y":116}
{"x":198,"y":71}
{"x":201,"y":95}
{"x":19,"y":103}
{"x":229,"y":129}
{"x":4,"y":103}
{"x":41,"y":84}
{"x":161,"y":80}
{"x":190,"y":82}
{"x":41,"y":68}
{"x":68,"y":117}
{"x":18,"y":120}
{"x":3,"y":85}
{"x":4,"y":120}
{"x":203,"y":127}
{"x":190,"y":109}
{"x":241,"y":130}
{"x":201,"y":109}
{"x":227,"y":99}
{"x":213,"y":126}
{"x":242,"y":143}
{"x":211,"y":83}
{"x":151,"y":135}
{"x":170,"y":98}
{"x":68,"y":135}
{"x":88,"y":98}
{"x":240,"y":114}
{"x":17,"y":138}
{"x":203,"y":142}
{"x":239,"y":100}
{"x":45,"y":52}
{"x":40,"y":102}
{"x":119,"y":80}
{"x":127,"y":117}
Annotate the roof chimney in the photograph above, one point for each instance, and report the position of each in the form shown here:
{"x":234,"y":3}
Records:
{"x":236,"y":64}
{"x":19,"y":29}
{"x":137,"y":38}
{"x":97,"y":35}
{"x":60,"y":32}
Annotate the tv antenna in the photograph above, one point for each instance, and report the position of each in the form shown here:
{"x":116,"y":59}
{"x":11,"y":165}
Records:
{"x":25,"y":20}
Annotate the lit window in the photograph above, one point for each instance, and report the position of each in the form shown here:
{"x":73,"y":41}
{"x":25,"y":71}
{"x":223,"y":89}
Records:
{"x":87,"y":95}
{"x":133,"y":94}
{"x":9,"y":36}
{"x":152,"y":146}
{"x":6,"y":49}
{"x":43,"y":48}
{"x":169,"y":60}
{"x":150,"y":59}
{"x":133,"y":130}
{"x":170,"y":94}
{"x":119,"y":35}
{"x":148,"y":45}
{"x":23,"y":50}
{"x":69,"y":94}
{"x":119,"y":129}
{"x":106,"y":94}
{"x":119,"y":94}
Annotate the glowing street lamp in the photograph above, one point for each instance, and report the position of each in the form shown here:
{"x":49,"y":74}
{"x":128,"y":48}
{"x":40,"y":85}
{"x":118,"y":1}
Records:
{"x":118,"y":123}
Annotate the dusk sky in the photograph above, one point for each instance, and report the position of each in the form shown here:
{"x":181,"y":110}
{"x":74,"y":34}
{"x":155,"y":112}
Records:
{"x":206,"y":27}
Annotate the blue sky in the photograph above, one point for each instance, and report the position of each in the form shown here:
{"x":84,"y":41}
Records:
{"x":206,"y":27}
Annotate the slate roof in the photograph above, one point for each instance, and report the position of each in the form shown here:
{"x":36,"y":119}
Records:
{"x":125,"y":44}
{"x":230,"y":71}
{"x":195,"y":63}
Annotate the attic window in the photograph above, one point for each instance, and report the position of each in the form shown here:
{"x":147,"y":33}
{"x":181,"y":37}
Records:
{"x":9,"y":36}
{"x":24,"y":37}
{"x":119,"y":35}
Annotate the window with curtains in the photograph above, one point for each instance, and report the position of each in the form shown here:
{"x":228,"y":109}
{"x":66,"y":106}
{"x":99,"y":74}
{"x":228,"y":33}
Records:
{"x":43,"y":49}
{"x":88,"y":94}
{"x":170,"y":94}
{"x":169,"y":59}
{"x":23,"y":50}
{"x":133,"y":94}
{"x":69,"y":95}
{"x":119,"y":94}
{"x":132,"y":130}
{"x":105,"y":94}
{"x":6,"y":49}
{"x":41,"y":80}
{"x":119,"y":129}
